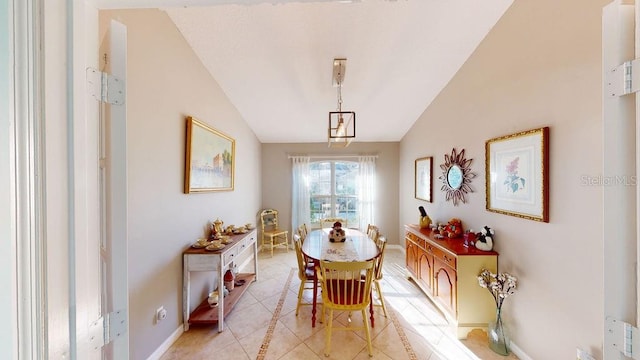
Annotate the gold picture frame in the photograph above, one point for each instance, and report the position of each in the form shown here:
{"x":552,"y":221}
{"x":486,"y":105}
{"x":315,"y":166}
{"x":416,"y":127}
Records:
{"x":517,"y":174}
{"x":423,"y":174}
{"x":209,"y":159}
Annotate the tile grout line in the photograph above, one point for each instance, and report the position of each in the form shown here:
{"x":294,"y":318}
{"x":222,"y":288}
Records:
{"x":403,"y":336}
{"x":274,"y":319}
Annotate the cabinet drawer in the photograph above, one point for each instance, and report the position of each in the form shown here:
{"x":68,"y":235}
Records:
{"x":430,"y":249}
{"x":415,"y":239}
{"x":202,"y":262}
{"x":445,"y":257}
{"x":412,"y":237}
{"x":229,"y":256}
{"x":245,"y":244}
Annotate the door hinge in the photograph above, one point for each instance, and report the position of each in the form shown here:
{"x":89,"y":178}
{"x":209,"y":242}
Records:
{"x":105,"y":87}
{"x":623,"y":79}
{"x":107,"y":328}
{"x":116,"y":326}
{"x":622,"y":337}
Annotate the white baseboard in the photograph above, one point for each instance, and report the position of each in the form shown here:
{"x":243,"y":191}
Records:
{"x":398,"y":247}
{"x":166,"y":344}
{"x":518,"y":352}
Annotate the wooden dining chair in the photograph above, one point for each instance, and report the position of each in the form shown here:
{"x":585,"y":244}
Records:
{"x":377,"y":273}
{"x":373,"y":232}
{"x":329,"y":221}
{"x":302,"y":231}
{"x":306,"y":272}
{"x":346,"y":286}
{"x":272,"y":235}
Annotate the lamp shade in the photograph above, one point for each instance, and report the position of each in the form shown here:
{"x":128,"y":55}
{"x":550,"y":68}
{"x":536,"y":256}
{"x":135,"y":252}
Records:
{"x":342,"y":128}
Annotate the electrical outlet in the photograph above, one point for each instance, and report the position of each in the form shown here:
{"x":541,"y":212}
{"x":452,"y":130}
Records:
{"x":161,"y":314}
{"x":583,"y":355}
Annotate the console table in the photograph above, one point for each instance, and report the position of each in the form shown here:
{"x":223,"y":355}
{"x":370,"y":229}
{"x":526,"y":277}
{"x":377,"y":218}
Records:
{"x":217,"y":261}
{"x":447,"y":272}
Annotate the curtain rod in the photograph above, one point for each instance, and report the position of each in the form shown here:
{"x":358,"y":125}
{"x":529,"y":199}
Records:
{"x":332,"y":156}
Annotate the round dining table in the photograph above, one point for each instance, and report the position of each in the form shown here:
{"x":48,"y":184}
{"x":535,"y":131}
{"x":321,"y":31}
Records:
{"x":356,"y":247}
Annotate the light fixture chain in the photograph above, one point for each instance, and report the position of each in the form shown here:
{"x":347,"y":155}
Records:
{"x":339,"y":96}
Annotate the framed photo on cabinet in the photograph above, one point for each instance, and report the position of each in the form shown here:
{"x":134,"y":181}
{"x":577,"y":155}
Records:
{"x":209,"y":159}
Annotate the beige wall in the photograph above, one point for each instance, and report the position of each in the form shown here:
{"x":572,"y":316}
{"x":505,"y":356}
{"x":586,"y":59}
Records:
{"x":276,"y":178}
{"x":539,"y":66}
{"x":165,"y":83}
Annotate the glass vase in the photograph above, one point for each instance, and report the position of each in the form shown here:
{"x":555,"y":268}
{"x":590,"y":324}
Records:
{"x":498,"y":335}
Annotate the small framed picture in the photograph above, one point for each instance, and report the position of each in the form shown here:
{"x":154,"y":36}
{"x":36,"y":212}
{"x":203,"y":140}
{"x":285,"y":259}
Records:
{"x":517,"y":171}
{"x":423,"y":188}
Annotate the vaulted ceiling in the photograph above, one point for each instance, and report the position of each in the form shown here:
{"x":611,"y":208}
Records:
{"x":274,"y":59}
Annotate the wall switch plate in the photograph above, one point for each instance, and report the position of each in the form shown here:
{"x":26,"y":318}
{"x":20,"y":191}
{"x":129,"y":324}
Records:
{"x":161,"y":314}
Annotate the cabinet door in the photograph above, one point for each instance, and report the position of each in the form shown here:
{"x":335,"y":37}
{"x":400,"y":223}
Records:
{"x":445,"y":286}
{"x":412,"y":259}
{"x":425,"y":270}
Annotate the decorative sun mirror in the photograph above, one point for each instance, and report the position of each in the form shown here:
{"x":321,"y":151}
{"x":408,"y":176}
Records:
{"x":456,"y":176}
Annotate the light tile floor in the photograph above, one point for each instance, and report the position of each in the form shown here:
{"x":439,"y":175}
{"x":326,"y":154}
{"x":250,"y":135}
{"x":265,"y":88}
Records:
{"x":263,"y":324}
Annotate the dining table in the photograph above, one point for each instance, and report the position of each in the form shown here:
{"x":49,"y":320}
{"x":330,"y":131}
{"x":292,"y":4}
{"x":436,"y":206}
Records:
{"x":358,"y":246}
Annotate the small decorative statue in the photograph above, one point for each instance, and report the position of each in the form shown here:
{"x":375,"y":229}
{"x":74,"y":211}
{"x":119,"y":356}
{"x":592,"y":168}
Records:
{"x":213,"y":298}
{"x":218,"y":226}
{"x":228,"y":280}
{"x":425,"y":220}
{"x":469,"y":238}
{"x":484,"y":239}
{"x":337,"y":233}
{"x":213,"y":234}
{"x":454,"y":228}
{"x":215,"y":230}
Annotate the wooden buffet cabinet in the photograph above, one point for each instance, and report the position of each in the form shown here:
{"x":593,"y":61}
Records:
{"x":218,"y":262}
{"x":447,"y":272}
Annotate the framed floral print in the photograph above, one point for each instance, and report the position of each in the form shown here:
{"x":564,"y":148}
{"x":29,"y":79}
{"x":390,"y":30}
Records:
{"x":517,"y":171}
{"x":209,"y":159}
{"x":424,"y":167}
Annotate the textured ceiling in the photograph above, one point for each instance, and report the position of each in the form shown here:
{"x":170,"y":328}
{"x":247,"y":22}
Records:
{"x":274,"y":59}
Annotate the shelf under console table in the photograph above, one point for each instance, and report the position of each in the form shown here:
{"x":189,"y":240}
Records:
{"x":217,"y":261}
{"x":447,"y":272}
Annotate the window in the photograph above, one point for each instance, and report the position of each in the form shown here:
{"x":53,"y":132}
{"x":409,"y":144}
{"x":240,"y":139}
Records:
{"x":333,"y":191}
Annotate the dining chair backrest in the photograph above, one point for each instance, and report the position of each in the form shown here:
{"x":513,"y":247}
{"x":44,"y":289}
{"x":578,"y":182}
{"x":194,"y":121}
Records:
{"x":373,"y":232}
{"x":302,"y":231}
{"x":381,"y":243}
{"x":269,"y":219}
{"x":302,"y":266}
{"x":329,"y":221}
{"x":346,"y":285}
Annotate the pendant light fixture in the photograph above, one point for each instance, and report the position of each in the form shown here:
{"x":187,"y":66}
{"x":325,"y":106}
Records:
{"x":342,"y":124}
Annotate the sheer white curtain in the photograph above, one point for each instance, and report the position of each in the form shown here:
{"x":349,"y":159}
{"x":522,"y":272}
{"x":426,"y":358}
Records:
{"x":366,"y":190}
{"x":300,"y":211}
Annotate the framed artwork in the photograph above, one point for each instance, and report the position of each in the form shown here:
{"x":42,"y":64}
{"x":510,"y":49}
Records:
{"x":424,"y":167}
{"x":210,"y":159}
{"x":517,"y":171}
